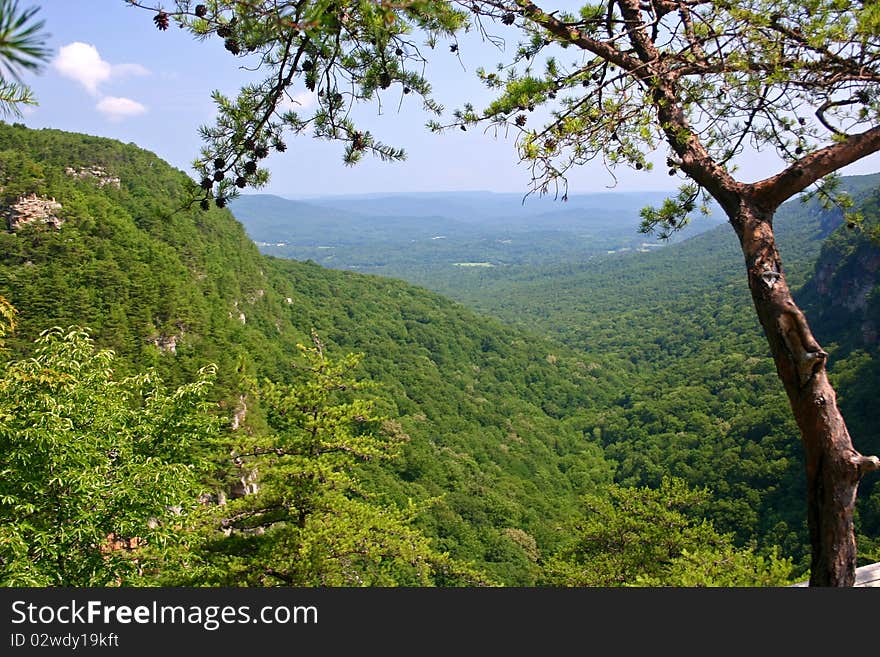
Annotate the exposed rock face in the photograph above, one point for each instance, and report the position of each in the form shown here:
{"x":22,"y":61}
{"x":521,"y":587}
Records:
{"x":240,"y":413}
{"x":849,"y":289}
{"x":166,"y":343}
{"x":241,"y":316}
{"x":33,"y":210}
{"x":843,"y":297}
{"x":96,"y":173}
{"x":246,"y":484}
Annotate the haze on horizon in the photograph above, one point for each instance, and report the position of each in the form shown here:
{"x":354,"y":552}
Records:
{"x":114,"y":75}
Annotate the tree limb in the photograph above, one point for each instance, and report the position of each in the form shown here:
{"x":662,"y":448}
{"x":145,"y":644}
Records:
{"x":574,"y":36}
{"x":771,"y":192}
{"x":866,"y":464}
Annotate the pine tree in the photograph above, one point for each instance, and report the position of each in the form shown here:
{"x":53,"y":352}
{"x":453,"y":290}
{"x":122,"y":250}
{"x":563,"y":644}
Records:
{"x":21,"y":49}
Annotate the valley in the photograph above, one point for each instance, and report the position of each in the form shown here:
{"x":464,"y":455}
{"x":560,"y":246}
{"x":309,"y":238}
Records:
{"x":538,"y":383}
{"x":447,"y":242}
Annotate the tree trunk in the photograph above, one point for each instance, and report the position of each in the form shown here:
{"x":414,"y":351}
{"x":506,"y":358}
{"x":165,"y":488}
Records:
{"x":833,"y":467}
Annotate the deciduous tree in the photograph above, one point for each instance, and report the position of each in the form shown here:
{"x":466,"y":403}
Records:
{"x":95,"y":470}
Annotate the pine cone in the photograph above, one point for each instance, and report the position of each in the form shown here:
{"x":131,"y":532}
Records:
{"x":161,"y":20}
{"x":508,"y":18}
{"x":201,"y":11}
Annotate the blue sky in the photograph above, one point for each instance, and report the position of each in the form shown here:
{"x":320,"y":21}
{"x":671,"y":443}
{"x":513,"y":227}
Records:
{"x":115,"y":75}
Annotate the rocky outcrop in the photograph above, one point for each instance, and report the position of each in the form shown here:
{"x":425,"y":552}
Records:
{"x":166,"y":343}
{"x":240,"y":413}
{"x":842,"y":298}
{"x":849,"y":288}
{"x":95,"y":173}
{"x":33,"y":210}
{"x":246,"y":484}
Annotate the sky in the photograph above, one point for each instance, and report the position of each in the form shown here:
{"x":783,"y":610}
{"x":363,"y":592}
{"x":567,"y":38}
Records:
{"x":113,"y":74}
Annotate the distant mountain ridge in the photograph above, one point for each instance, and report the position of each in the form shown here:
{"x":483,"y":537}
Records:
{"x":429,"y":239}
{"x":486,"y":209}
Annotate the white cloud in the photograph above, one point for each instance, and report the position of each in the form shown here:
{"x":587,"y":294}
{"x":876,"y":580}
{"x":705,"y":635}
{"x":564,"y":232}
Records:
{"x":121,"y":70}
{"x":117,"y":109}
{"x":301,"y":101}
{"x":83,"y":63}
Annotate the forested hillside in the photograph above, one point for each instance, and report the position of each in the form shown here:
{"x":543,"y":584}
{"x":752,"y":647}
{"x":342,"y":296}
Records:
{"x":702,"y":400}
{"x":705,"y":404}
{"x":631,"y":393}
{"x":485,"y":406}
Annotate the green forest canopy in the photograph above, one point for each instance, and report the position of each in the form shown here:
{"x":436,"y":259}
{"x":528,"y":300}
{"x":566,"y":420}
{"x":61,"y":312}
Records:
{"x":506,"y":430}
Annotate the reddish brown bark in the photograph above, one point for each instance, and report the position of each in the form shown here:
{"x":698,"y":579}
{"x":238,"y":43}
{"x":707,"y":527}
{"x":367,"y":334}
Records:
{"x":833,"y":467}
